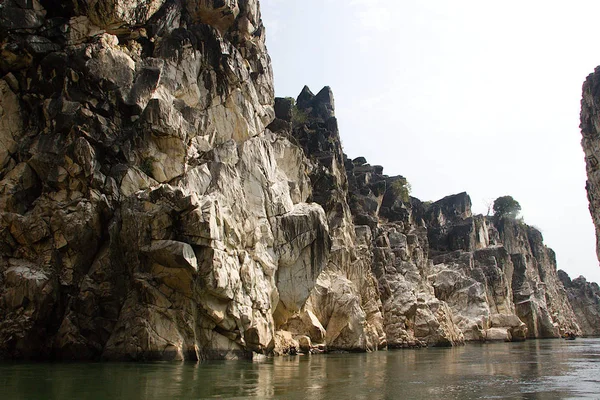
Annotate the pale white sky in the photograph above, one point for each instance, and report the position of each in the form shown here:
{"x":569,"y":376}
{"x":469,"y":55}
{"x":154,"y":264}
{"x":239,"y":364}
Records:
{"x":462,"y":95}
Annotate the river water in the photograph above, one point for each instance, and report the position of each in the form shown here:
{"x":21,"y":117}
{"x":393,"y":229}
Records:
{"x":535,"y":369}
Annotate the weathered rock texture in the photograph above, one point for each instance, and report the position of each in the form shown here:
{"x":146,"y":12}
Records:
{"x":443,"y":274}
{"x":145,"y":210}
{"x":590,"y":130}
{"x":345,"y":298}
{"x":412,"y":313}
{"x":585,"y":299}
{"x":456,"y":263}
{"x":583,"y":295}
{"x":157,"y":202}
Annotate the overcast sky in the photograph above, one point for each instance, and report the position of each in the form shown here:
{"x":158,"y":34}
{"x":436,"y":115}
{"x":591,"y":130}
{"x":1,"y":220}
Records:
{"x":462,"y":95}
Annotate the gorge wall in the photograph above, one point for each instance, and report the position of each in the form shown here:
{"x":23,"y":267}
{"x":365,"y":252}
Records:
{"x":585,"y":299}
{"x":444,"y":275}
{"x":157,"y":202}
{"x":590,"y":131}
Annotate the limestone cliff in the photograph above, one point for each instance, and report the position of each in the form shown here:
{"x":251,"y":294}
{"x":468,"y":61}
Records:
{"x":157,"y":202}
{"x":468,"y":264}
{"x":585,"y":299}
{"x":345,"y":298}
{"x":145,"y":210}
{"x":443,"y":274}
{"x":590,"y":131}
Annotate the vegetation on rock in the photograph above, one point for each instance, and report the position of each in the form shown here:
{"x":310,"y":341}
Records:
{"x":401,"y":189}
{"x":298,"y":116}
{"x":506,"y":207}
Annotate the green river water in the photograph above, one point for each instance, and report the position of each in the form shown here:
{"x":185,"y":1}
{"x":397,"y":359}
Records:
{"x":535,"y":369}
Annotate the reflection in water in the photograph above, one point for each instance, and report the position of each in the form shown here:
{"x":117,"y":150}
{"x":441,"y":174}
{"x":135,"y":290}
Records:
{"x":546,"y":369}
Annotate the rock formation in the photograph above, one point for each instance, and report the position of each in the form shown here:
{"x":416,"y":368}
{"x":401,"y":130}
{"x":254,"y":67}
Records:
{"x":146,"y":211}
{"x":157,"y":202}
{"x":443,"y":275}
{"x":345,"y":299}
{"x":585,"y":299}
{"x":590,"y":131}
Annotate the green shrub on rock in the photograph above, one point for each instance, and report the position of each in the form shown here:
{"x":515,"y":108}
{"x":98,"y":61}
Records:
{"x":506,"y":207}
{"x":401,"y":189}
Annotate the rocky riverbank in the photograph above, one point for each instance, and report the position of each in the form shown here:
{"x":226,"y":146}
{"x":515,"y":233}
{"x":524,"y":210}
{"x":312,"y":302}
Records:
{"x":157,"y":202}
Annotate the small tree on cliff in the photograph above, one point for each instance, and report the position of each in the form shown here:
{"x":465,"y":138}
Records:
{"x":401,"y":189}
{"x":506,"y":207}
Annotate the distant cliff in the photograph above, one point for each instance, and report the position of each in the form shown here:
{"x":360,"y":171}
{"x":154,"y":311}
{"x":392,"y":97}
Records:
{"x":157,"y":203}
{"x":444,"y":275}
{"x":585,"y":299}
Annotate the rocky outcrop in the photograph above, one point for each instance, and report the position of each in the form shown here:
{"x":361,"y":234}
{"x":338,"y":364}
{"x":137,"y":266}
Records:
{"x":590,"y":131}
{"x":585,"y":300}
{"x":345,"y":299}
{"x":146,"y":212}
{"x":487,"y":279}
{"x":413,"y":316}
{"x":503,"y":271}
{"x":443,"y":274}
{"x":539,"y":295}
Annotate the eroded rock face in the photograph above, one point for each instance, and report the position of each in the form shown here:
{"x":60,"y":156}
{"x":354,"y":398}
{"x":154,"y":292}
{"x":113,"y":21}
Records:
{"x":345,"y":299}
{"x":157,"y":202}
{"x":539,"y":295}
{"x":505,"y":276}
{"x":584,"y":297}
{"x":590,"y":131}
{"x":461,"y":269}
{"x":412,"y":314}
{"x":146,"y":213}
